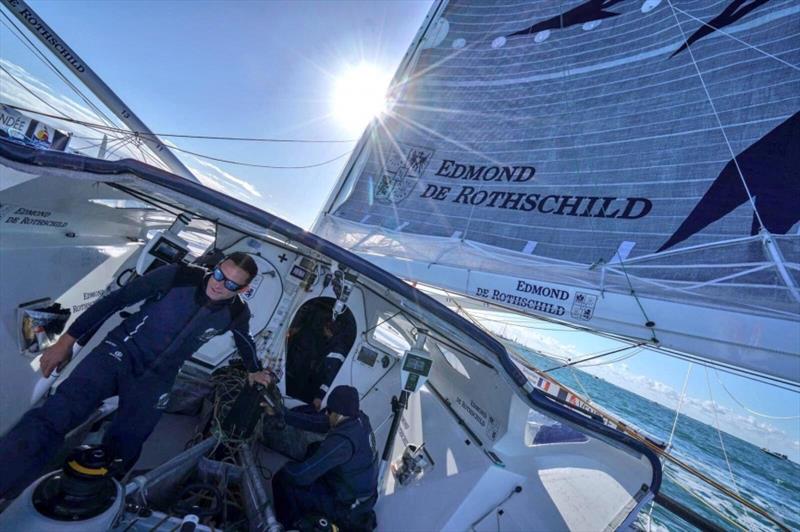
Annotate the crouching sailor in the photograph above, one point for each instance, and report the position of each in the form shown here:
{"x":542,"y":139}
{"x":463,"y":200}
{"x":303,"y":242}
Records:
{"x":339,"y":480}
{"x":183,"y":308}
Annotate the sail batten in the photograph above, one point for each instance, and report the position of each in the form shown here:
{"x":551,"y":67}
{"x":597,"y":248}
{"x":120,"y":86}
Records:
{"x":614,"y":147}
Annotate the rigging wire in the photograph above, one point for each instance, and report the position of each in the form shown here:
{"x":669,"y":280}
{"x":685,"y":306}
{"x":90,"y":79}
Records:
{"x":532,"y":327}
{"x":680,"y":404}
{"x":582,"y":366}
{"x":759,"y":414}
{"x":196,"y":154}
{"x":719,"y":433}
{"x":650,"y":515}
{"x":704,"y":502}
{"x":87,"y":147}
{"x":748,"y":45}
{"x":152,"y":161}
{"x":42,"y":57}
{"x":659,"y":451}
{"x":647,"y":321}
{"x":78,"y":136}
{"x":30,"y":91}
{"x":613,"y":361}
{"x":585,"y":392}
{"x":719,"y":121}
{"x":63,"y":116}
{"x":124,"y":142}
{"x":769,"y":380}
{"x":202,"y":137}
{"x":255,"y":165}
{"x":604,"y":354}
{"x":672,"y":432}
{"x":739,"y":372}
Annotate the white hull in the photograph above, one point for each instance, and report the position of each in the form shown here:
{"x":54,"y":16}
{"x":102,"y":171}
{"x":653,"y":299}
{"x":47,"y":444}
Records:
{"x":478,"y":417}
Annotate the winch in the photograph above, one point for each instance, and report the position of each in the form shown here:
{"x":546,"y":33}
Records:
{"x":82,"y":496}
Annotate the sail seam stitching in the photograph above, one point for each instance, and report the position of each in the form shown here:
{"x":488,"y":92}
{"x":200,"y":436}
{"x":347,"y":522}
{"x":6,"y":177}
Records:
{"x":719,"y":121}
{"x":722,"y":32}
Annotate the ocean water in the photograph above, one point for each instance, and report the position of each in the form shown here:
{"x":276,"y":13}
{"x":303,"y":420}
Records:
{"x":770,"y":482}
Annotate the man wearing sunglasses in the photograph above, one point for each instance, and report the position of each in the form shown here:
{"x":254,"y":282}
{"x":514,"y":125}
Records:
{"x":183,"y":307}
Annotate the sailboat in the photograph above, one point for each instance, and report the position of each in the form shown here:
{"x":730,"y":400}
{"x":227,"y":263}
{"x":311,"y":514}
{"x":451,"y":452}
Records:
{"x":616,"y":167}
{"x":775,"y":454}
{"x":523,"y":205}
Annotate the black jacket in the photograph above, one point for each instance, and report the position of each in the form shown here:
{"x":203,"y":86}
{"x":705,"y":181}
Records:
{"x":347,"y":459}
{"x":175,"y":320}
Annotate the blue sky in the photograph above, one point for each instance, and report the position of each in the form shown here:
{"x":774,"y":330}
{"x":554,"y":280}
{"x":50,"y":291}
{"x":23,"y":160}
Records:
{"x":264,"y":69}
{"x":269,"y":69}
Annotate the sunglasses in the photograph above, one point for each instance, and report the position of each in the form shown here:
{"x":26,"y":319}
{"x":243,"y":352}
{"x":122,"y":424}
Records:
{"x":227,"y":283}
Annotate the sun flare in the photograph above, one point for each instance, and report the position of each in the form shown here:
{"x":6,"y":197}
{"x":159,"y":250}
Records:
{"x":359,"y":95}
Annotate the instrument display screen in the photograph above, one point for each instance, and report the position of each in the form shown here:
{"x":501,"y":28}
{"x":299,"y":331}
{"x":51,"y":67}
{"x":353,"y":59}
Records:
{"x":411,"y":383}
{"x":167,"y":251}
{"x":367,"y":355}
{"x":417,"y":364}
{"x":298,"y":273}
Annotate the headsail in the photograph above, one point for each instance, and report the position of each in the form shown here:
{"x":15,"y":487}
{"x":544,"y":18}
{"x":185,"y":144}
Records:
{"x":629,"y":166}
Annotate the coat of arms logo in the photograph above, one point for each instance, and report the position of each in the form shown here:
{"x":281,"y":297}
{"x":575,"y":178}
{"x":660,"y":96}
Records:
{"x":401,"y":173}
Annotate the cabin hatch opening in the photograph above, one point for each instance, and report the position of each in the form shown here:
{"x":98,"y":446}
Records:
{"x":313,"y":335}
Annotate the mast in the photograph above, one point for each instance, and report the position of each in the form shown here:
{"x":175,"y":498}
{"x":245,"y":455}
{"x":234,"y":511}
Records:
{"x":90,"y":79}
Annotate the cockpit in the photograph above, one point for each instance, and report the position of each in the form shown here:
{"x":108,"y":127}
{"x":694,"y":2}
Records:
{"x":458,"y":429}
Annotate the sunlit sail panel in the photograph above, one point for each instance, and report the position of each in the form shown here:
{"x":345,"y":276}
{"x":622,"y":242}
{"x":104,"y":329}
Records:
{"x":627,"y":166}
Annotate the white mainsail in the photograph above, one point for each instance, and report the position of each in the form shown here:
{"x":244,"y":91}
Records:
{"x":627,"y":166}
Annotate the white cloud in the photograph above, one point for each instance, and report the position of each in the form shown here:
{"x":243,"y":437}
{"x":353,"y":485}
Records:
{"x":663,"y":389}
{"x":13,"y":93}
{"x":745,"y":426}
{"x":733,"y":421}
{"x":212,"y":176}
{"x":12,"y":90}
{"x":712,"y":407}
{"x":529,"y":338}
{"x":215,"y":177}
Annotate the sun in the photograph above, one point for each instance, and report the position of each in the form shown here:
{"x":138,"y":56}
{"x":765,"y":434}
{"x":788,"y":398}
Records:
{"x":359,"y":95}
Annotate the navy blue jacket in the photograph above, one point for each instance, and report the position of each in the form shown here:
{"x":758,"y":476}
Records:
{"x":346,"y":460}
{"x":175,"y":319}
{"x":337,"y":348}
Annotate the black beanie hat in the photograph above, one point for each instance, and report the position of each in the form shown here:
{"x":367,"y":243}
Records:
{"x":344,"y":400}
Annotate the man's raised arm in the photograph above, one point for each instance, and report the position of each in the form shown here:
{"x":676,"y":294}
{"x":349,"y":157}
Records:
{"x":247,"y":349}
{"x":93,"y":317}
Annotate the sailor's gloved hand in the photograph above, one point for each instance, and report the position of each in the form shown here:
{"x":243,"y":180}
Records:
{"x":272,"y":403}
{"x":269,"y":409}
{"x":263,"y":377}
{"x":57,"y":355}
